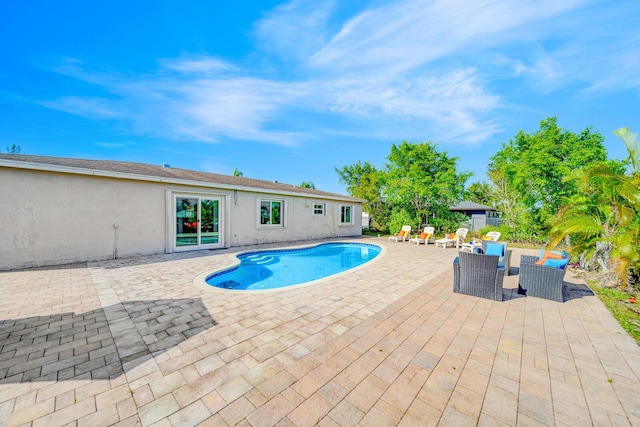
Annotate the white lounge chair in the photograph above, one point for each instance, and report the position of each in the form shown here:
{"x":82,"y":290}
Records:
{"x":456,"y":240}
{"x":425,"y":237}
{"x":475,"y":243}
{"x":403,"y":235}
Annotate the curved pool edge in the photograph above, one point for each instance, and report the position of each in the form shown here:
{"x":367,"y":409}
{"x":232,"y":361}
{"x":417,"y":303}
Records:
{"x":200,"y":280}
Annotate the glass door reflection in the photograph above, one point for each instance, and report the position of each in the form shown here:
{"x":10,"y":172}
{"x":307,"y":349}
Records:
{"x":186,"y":221}
{"x":210,"y":221}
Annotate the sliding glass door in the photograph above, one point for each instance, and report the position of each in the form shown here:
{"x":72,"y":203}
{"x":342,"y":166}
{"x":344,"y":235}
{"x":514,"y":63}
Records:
{"x":197,"y":221}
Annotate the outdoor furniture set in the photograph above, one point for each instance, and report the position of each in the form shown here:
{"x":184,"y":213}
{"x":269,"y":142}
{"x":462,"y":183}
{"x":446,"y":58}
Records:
{"x":481,"y":273}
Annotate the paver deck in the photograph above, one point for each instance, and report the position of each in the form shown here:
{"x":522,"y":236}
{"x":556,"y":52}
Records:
{"x":135,"y":342}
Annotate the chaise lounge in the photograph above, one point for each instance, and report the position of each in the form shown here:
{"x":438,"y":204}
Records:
{"x":425,"y":237}
{"x":456,"y":239}
{"x":403,"y":235}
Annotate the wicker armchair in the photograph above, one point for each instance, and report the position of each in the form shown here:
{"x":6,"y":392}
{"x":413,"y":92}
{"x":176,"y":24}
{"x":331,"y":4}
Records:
{"x":504,"y":261}
{"x":478,"y":275}
{"x":540,"y":281}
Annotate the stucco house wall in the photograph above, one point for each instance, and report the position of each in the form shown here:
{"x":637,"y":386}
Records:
{"x":52,"y":218}
{"x":54,"y":215}
{"x":301,"y":224}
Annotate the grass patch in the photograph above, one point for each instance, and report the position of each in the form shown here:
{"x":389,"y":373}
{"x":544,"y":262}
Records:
{"x":368,"y":232}
{"x":626,"y":313}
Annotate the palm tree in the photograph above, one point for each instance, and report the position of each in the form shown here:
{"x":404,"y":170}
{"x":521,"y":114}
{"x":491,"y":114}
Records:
{"x":14,"y":149}
{"x":308,"y":184}
{"x":603,"y":219}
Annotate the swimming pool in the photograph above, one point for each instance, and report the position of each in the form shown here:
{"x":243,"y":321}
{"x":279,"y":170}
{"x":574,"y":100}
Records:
{"x":280,"y":268}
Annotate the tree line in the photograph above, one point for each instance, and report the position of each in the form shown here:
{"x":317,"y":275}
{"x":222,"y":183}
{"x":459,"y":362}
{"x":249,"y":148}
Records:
{"x":553,"y":187}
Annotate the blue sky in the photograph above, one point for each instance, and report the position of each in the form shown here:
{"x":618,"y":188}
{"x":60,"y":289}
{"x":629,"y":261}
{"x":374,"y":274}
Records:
{"x":289,"y":90}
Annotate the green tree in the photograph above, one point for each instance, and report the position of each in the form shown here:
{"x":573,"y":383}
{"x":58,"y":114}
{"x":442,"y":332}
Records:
{"x":479,"y":192}
{"x":364,"y":181}
{"x":602,"y":219}
{"x":423,"y":182}
{"x":308,"y":184}
{"x":237,"y":172}
{"x":14,"y":149}
{"x":508,"y":201}
{"x":530,"y":168}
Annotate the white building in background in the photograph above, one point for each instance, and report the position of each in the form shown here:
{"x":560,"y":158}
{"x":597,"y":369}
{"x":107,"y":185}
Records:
{"x":59,"y":210}
{"x":366,"y":221}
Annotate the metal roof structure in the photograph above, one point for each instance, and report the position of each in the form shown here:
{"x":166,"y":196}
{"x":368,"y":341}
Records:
{"x":471,"y":206}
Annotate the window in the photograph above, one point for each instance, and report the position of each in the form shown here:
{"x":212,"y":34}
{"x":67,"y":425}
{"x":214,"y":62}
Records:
{"x":271,"y":212}
{"x":345,"y":215}
{"x":319,"y":209}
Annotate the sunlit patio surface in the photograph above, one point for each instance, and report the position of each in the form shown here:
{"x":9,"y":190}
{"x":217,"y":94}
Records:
{"x":134,"y":342}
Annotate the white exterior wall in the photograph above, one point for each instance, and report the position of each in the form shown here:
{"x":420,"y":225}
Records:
{"x":51,"y":218}
{"x":300,"y":223}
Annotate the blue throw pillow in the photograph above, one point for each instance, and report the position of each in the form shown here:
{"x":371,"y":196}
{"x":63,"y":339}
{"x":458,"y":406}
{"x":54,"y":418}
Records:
{"x":494,"y":249}
{"x":557,"y":263}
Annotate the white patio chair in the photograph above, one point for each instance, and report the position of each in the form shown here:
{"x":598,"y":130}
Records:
{"x":403,"y":235}
{"x":425,"y":237}
{"x":456,"y":240}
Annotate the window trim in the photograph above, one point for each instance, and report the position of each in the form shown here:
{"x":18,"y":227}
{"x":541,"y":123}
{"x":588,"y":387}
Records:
{"x":340,"y":222}
{"x":324,"y":209}
{"x":271,"y":200}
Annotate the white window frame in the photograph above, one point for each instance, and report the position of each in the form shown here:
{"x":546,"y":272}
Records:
{"x":340,"y":213}
{"x":283,"y":216}
{"x":323,"y":206}
{"x":171,"y":198}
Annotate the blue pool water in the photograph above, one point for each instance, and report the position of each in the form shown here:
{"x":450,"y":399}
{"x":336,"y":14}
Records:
{"x":286,"y":267}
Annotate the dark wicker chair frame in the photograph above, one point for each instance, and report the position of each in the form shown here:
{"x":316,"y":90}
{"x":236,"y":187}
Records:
{"x":478,"y":275}
{"x":540,"y":281}
{"x":506,"y":259}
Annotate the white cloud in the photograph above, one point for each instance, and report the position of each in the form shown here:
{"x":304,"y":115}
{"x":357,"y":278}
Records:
{"x":200,"y":65}
{"x":426,"y":66}
{"x":450,"y":106}
{"x":179,"y":102}
{"x":296,"y":29}
{"x":542,"y":72}
{"x":610,"y":68}
{"x":111,"y":145}
{"x":90,"y":108}
{"x":407,"y":34}
{"x":204,"y":101}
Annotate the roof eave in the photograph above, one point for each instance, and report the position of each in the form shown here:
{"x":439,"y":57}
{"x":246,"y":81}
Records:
{"x":138,"y":177}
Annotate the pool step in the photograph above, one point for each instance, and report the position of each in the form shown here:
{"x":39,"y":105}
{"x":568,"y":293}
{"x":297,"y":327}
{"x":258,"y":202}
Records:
{"x":260,"y":259}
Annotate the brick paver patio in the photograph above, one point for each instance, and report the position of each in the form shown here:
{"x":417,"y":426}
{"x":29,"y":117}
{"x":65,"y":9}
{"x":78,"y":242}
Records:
{"x":135,"y":342}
